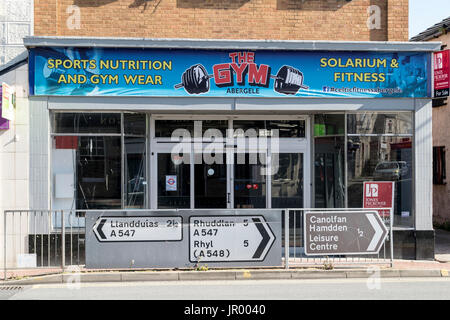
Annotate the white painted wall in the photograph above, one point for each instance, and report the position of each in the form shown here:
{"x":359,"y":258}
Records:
{"x":39,"y":154}
{"x":423,"y":155}
{"x":14,"y":164}
{"x":16,"y":22}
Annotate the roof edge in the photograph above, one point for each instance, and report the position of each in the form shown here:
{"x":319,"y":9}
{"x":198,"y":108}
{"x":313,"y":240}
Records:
{"x":182,"y":43}
{"x":14,"y":63}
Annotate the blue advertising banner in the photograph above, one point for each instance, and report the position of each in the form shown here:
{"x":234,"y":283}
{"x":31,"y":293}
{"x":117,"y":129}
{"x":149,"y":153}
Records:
{"x":227,"y":73}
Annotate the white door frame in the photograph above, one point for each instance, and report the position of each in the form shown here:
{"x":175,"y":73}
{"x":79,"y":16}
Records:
{"x":287,"y":145}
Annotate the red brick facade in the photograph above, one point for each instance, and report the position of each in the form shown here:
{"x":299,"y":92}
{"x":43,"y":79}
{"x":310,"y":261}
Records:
{"x":224,"y":19}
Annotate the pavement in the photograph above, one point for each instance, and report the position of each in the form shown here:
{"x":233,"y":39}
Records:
{"x":402,"y":270}
{"x":440,"y":268}
{"x":442,"y":245}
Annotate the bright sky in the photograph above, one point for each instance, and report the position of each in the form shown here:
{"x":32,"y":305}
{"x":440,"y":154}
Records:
{"x":425,"y":13}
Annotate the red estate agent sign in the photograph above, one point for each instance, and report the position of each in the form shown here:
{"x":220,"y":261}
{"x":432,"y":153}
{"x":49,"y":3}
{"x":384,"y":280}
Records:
{"x":379,"y":195}
{"x":441,"y":73}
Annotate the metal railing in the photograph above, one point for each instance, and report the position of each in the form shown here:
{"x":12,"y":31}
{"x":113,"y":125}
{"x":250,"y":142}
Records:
{"x":55,"y":239}
{"x":44,"y":239}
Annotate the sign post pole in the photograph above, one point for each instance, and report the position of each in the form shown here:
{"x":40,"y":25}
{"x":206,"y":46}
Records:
{"x":286,"y":238}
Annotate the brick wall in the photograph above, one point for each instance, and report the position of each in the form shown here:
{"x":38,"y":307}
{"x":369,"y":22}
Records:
{"x":224,"y":19}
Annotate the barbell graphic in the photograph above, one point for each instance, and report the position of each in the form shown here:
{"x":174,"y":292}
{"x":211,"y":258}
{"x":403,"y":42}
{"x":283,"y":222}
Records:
{"x":288,"y":80}
{"x":195,"y":80}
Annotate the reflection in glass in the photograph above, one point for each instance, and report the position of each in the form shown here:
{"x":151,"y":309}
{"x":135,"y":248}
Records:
{"x":173,"y":182}
{"x":135,"y":176}
{"x":134,"y":123}
{"x":287,"y":183}
{"x":380,"y":123}
{"x":329,"y":124}
{"x":165,"y":128}
{"x":329,"y":172}
{"x":98,"y":173}
{"x":87,"y":122}
{"x":286,"y":128}
{"x":382,"y":159}
{"x":249,"y":184}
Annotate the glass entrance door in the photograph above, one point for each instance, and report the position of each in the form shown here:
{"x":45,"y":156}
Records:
{"x":174,"y":182}
{"x":211,"y":183}
{"x":250,"y":181}
{"x":288,"y":181}
{"x":240,"y":176}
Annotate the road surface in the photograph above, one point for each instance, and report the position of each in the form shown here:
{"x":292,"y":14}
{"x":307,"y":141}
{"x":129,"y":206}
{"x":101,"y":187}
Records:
{"x":323,"y":289}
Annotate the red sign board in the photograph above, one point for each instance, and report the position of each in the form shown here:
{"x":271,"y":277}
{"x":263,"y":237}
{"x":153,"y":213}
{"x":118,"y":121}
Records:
{"x":441,"y":73}
{"x":379,"y":195}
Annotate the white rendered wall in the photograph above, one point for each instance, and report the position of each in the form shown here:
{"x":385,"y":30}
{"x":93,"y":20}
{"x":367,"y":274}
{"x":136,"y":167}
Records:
{"x":423,"y":155}
{"x":16,"y":22}
{"x":14,"y":165}
{"x":39,"y":154}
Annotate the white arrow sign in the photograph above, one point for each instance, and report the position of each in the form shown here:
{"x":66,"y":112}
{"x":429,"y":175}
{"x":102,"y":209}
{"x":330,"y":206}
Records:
{"x":343,"y":232}
{"x":229,"y":238}
{"x":138,"y":229}
{"x":379,"y":232}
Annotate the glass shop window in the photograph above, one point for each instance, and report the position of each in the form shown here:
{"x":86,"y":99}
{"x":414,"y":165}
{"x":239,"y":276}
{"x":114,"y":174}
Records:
{"x":165,"y":128}
{"x":135,"y":123}
{"x":380,"y":123}
{"x":439,"y":166}
{"x":329,"y":160}
{"x":382,"y":158}
{"x":286,"y":128}
{"x":86,"y":122}
{"x":329,"y":172}
{"x":86,"y":172}
{"x":135,"y":187}
{"x":329,"y":125}
{"x":87,"y":154}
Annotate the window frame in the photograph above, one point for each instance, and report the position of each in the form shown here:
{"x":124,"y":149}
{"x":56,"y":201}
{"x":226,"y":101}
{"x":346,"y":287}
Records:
{"x":122,"y":135}
{"x":439,"y":165}
{"x":397,"y":135}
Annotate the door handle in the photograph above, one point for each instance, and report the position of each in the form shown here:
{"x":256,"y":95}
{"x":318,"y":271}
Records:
{"x":228,"y":197}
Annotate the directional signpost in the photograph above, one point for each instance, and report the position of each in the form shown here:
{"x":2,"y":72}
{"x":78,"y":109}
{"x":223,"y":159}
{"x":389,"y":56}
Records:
{"x":138,"y":229}
{"x":229,"y":238}
{"x":183,"y":238}
{"x":343,"y":233}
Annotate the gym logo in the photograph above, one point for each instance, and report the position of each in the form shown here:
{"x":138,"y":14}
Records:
{"x":242,"y":69}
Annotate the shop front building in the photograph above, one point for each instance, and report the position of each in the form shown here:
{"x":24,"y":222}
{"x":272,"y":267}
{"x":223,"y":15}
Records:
{"x":202,"y":124}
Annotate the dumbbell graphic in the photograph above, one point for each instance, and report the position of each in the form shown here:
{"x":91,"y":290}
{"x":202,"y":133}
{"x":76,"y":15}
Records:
{"x":288,"y":80}
{"x":195,"y":80}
